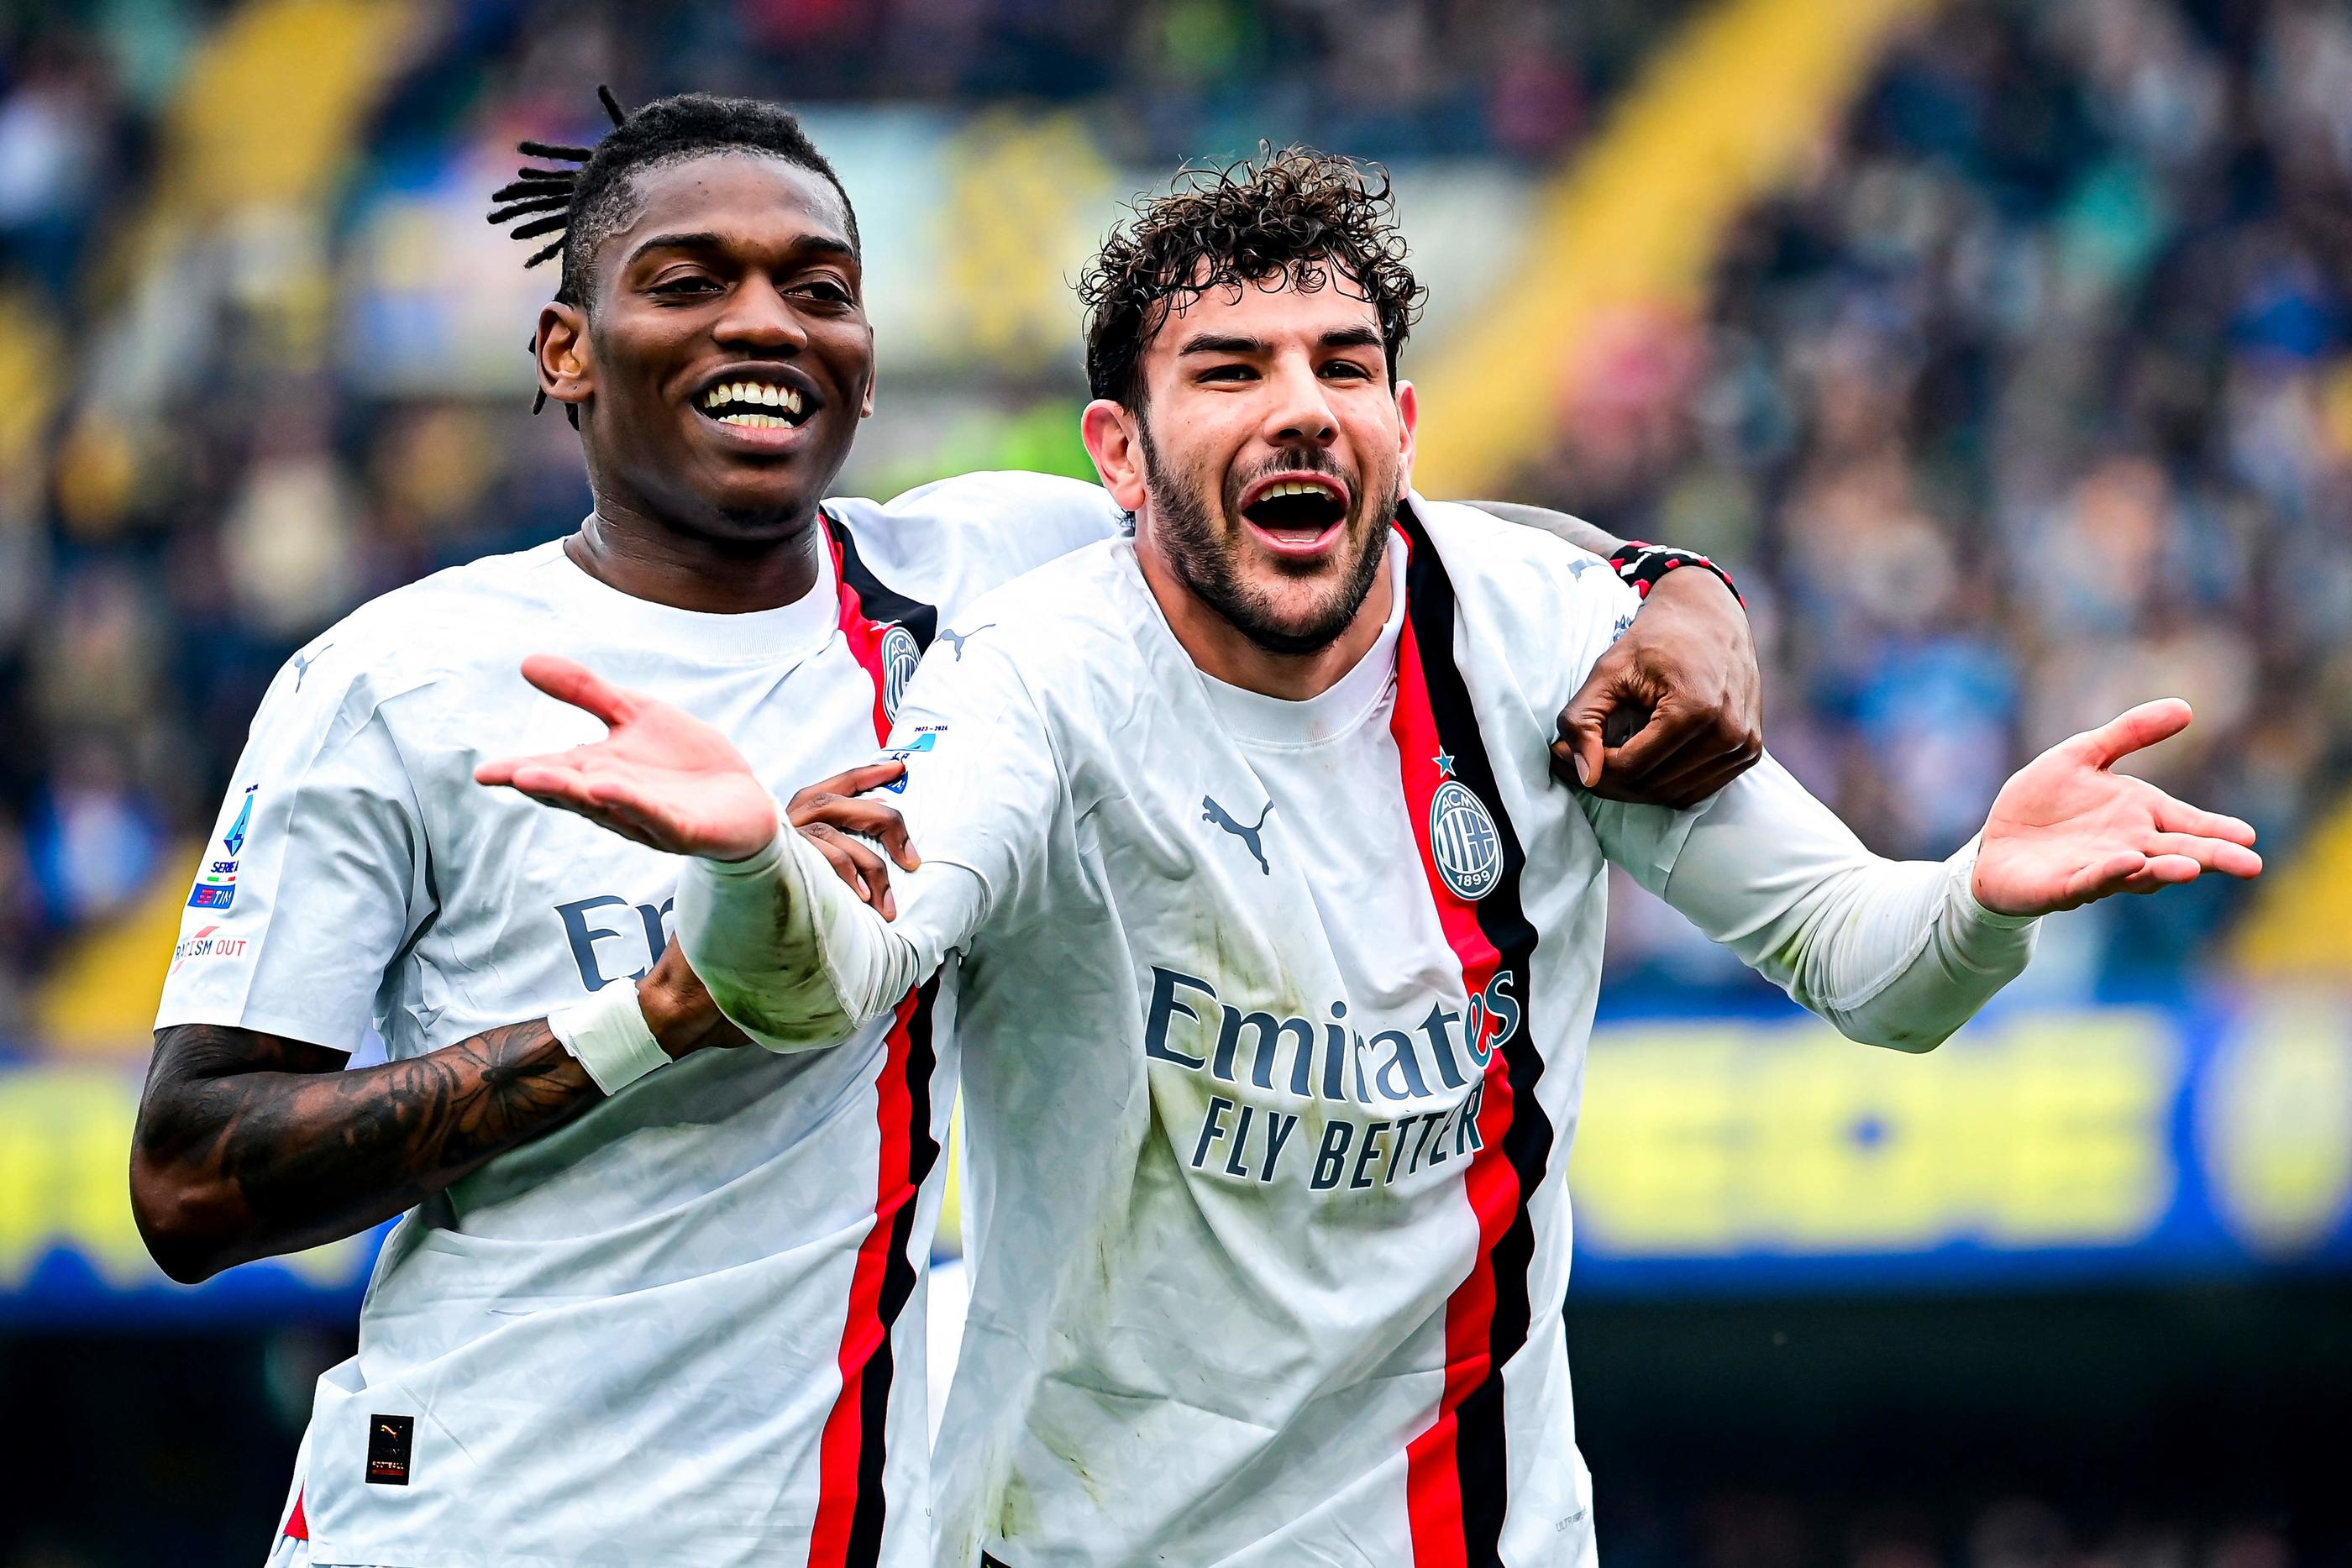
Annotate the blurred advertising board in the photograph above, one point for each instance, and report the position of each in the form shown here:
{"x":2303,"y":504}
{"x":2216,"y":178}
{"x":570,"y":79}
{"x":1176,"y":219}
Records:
{"x":1714,"y":1156}
{"x":2034,"y":1147}
{"x":70,"y":1256}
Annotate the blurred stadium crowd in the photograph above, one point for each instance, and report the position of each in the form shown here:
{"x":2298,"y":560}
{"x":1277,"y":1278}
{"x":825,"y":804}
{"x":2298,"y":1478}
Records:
{"x":2033,"y":399}
{"x":2030,"y":399}
{"x":2033,"y":402}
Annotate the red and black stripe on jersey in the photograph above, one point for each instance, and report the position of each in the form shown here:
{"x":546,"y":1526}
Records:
{"x":1457,"y":1472}
{"x":869,"y":609}
{"x":852,"y":1502}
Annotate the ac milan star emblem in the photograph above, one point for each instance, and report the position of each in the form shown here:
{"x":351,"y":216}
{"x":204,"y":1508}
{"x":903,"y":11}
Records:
{"x":1463,"y":840}
{"x":899,"y":657}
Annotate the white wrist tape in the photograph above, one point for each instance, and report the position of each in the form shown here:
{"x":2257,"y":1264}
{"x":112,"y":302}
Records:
{"x":1964,"y":889}
{"x":608,"y":1033}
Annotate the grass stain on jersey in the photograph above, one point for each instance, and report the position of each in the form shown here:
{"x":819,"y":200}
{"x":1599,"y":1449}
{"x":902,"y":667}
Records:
{"x":1016,"y":1510}
{"x":1066,"y":1449}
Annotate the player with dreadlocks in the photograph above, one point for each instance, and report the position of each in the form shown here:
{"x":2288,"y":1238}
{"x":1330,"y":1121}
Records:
{"x":655,"y":1300}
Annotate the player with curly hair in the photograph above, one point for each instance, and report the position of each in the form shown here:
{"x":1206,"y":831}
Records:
{"x":1274,"y":943}
{"x":651,"y":1299}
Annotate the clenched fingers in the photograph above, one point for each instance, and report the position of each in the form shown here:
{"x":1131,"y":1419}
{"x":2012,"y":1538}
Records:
{"x":854,"y":861}
{"x":834,"y":803}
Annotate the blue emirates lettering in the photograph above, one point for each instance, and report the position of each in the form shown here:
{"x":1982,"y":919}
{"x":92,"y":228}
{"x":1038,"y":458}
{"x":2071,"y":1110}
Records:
{"x":1443,"y":1059}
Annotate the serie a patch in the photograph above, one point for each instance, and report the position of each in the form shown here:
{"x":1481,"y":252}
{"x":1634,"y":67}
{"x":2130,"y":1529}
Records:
{"x":216,"y":882}
{"x":391,"y":1441}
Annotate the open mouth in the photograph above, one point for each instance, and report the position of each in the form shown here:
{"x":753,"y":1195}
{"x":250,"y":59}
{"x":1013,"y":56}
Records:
{"x":753,"y":403}
{"x":1300,"y":513}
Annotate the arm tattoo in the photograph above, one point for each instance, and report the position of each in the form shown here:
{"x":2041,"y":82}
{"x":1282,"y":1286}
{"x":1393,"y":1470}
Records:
{"x":249,"y":1145}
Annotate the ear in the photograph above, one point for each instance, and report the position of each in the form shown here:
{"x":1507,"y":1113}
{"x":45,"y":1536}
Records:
{"x":1116,"y":445}
{"x":1408,"y":419}
{"x":873,"y":376}
{"x":566,"y":368}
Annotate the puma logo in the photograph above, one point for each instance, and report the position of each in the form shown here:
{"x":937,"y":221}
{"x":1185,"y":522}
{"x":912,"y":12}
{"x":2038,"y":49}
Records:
{"x":956,"y":640}
{"x":1212,"y":812}
{"x":302,"y":663}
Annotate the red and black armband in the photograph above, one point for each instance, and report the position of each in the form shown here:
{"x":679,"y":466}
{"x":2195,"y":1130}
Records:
{"x":1642,"y":565}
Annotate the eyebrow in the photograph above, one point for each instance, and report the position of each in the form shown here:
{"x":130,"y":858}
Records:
{"x":1337,"y":337}
{"x":1215,"y":343}
{"x":823,"y":244}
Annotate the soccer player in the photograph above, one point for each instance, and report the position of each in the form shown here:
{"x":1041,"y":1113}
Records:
{"x":655,"y":1301}
{"x":1279,"y":943}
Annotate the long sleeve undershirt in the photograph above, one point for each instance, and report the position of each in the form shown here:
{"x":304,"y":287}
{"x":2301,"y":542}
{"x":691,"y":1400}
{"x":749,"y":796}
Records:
{"x":1893,"y":952}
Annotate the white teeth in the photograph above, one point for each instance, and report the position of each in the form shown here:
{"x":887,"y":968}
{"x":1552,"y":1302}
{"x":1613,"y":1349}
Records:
{"x":758,"y":393}
{"x":755,"y":421}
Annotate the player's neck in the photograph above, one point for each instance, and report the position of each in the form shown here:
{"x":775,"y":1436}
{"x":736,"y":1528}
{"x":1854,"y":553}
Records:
{"x":1221,"y":650}
{"x":624,"y":550}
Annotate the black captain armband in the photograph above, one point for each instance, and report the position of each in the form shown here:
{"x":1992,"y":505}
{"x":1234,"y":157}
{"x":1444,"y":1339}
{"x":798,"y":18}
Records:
{"x":1642,"y":565}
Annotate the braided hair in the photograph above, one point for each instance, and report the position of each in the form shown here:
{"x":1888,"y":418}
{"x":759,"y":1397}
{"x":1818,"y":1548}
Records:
{"x":582,"y":205}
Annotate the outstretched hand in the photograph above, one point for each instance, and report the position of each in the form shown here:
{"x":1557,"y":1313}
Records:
{"x":2067,"y":829}
{"x":662,"y":777}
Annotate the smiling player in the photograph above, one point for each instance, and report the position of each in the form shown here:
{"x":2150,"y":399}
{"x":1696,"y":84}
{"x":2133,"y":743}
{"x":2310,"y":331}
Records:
{"x":639,"y":1311}
{"x":1278,"y":945}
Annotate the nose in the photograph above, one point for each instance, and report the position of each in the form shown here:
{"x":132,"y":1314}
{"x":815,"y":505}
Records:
{"x":760,"y":319}
{"x":1299,"y":409}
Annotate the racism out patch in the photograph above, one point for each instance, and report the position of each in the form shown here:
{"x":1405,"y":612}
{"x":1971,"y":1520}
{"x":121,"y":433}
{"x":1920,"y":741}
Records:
{"x":391,"y":1440}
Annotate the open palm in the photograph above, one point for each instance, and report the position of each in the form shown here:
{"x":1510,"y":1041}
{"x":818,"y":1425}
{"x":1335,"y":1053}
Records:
{"x":2067,"y":829}
{"x":662,"y":777}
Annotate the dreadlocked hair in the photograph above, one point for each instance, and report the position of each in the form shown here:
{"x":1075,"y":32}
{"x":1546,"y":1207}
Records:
{"x":1295,"y":215}
{"x":582,"y":205}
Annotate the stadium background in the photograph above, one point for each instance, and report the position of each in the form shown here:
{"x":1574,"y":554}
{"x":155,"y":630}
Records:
{"x":2003,"y":348}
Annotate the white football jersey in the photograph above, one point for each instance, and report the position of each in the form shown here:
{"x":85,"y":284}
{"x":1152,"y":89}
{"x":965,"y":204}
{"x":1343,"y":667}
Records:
{"x":1273,"y":1018}
{"x":684,"y":1328}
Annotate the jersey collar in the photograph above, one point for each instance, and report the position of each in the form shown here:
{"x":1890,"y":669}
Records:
{"x":785,"y":635}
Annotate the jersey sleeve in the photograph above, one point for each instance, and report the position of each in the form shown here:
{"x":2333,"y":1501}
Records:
{"x":311,"y":880}
{"x":952,"y":541}
{"x":1894,"y":953}
{"x":984,"y":782}
{"x":795,"y":959}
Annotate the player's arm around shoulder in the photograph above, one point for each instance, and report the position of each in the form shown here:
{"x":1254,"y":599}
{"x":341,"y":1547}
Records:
{"x":1673,"y":709}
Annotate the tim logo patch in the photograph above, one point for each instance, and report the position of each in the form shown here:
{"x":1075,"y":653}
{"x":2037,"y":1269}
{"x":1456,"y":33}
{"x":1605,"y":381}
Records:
{"x":1463,"y":842}
{"x":390,"y":1439}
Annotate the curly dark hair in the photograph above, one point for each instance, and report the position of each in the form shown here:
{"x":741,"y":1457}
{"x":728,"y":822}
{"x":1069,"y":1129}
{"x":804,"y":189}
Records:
{"x":1296,"y":214}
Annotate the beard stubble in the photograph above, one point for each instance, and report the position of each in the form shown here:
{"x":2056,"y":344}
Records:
{"x":1206,"y":559}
